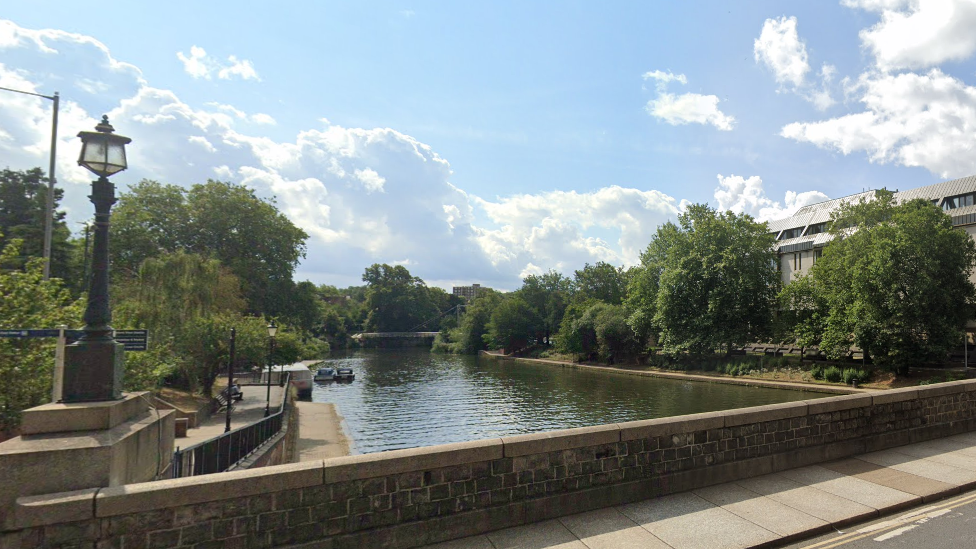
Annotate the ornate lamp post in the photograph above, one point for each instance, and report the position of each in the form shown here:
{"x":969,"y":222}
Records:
{"x":94,"y":364}
{"x":272,"y":331}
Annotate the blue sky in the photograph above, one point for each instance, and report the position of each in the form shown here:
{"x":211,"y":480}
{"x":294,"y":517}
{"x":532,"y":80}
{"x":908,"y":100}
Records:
{"x":481,"y":142}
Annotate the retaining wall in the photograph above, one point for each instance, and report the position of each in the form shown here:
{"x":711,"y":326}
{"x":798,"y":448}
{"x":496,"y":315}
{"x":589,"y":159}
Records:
{"x":407,"y":498}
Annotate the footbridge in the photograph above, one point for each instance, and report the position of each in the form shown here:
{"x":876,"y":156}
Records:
{"x":394,"y":340}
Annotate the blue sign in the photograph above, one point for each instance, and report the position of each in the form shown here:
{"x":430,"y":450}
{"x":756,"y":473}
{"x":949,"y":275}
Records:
{"x":132,"y":340}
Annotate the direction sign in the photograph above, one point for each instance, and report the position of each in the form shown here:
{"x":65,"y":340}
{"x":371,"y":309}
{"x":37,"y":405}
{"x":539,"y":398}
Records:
{"x":134,"y":340}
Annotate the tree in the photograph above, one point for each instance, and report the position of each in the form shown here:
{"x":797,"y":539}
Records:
{"x":29,"y":301}
{"x":396,"y":300}
{"x":548,"y":295}
{"x":602,"y":281}
{"x":23,"y":207}
{"x":717,"y":284}
{"x":513,"y":324}
{"x":471,"y":335}
{"x":217,"y":220}
{"x":645,"y":282}
{"x":894,"y":281}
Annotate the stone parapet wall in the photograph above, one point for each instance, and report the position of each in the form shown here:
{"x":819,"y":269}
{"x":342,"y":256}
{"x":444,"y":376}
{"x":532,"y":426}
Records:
{"x":407,"y":498}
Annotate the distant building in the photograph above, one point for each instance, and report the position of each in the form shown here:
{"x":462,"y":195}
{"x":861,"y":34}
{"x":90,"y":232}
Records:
{"x":468,"y":292}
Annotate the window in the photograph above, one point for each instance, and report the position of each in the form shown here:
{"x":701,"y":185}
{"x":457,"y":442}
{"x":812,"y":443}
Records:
{"x":817,"y":254}
{"x":816,"y":229}
{"x":791,"y":233}
{"x":959,"y":201}
{"x":797,"y":261}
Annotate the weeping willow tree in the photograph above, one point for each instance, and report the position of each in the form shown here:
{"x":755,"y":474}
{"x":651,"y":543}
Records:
{"x":168,"y":297}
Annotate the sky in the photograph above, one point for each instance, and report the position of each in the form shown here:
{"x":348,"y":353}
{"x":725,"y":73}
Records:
{"x":485,"y":142}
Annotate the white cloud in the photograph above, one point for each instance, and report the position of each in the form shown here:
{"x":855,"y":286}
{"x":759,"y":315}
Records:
{"x":200,"y":65}
{"x":780,"y":49}
{"x":262,"y":118}
{"x":685,"y":108}
{"x":918,"y":35}
{"x":926,"y":120}
{"x":747,"y":195}
{"x":363,"y":195}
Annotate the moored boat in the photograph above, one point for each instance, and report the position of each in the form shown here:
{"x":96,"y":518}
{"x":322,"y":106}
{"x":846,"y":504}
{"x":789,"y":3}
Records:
{"x":344,"y":374}
{"x":325,"y":374}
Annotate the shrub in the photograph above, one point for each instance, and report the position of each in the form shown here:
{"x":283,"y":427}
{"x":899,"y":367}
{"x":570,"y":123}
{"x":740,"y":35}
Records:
{"x":833,"y":374}
{"x":852,"y":374}
{"x":817,"y":371}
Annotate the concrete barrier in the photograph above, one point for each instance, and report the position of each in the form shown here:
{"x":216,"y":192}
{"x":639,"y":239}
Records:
{"x":407,"y":498}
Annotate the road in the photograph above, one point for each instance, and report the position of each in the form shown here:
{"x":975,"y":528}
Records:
{"x":945,"y":524}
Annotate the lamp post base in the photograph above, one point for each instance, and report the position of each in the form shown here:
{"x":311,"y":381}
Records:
{"x":93,"y":371}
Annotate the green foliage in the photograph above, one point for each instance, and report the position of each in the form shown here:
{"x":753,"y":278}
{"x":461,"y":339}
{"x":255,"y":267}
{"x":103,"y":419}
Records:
{"x":28,"y":301}
{"x":894,"y":282}
{"x":577,"y":332}
{"x":602,"y":282}
{"x":855,"y":374}
{"x":23,"y":206}
{"x":715,"y":282}
{"x":833,"y":374}
{"x":513,"y":324}
{"x":615,"y":338}
{"x":548,"y":295}
{"x":398,"y":301}
{"x":472,"y":335}
{"x":216,"y":220}
{"x":817,"y":371}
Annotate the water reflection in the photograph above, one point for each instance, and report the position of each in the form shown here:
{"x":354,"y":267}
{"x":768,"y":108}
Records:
{"x":404,"y":399}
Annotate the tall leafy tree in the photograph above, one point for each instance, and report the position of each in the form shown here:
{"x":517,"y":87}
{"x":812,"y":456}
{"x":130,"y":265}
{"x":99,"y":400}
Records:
{"x":217,"y":220}
{"x":894,"y":281}
{"x":547,"y":294}
{"x":602,"y":281}
{"x":717,"y":284}
{"x":396,"y":301}
{"x":23,"y":207}
{"x":513,"y":324}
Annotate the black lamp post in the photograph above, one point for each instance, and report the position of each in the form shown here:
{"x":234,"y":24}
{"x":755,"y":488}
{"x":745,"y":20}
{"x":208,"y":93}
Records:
{"x":93,"y":366}
{"x":272,"y":331}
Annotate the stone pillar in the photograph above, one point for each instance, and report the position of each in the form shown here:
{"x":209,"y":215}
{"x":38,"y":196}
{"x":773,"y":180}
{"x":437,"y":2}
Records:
{"x":75,"y":446}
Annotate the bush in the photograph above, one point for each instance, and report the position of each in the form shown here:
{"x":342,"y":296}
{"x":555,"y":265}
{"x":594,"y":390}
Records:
{"x":852,"y":374}
{"x":817,"y":372}
{"x":833,"y":374}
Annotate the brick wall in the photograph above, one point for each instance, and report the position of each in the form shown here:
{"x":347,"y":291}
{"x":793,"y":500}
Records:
{"x":407,"y":498}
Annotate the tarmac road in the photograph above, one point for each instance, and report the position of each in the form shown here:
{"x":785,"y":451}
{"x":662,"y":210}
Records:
{"x":945,"y":524}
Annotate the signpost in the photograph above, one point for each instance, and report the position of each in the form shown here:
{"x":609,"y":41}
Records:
{"x":133,"y":340}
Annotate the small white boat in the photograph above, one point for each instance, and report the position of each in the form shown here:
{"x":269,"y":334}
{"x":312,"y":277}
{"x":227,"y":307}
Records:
{"x":325,"y":374}
{"x":344,"y":374}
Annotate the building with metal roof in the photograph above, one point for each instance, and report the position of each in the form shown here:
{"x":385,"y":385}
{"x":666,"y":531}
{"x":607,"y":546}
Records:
{"x":801,"y":237}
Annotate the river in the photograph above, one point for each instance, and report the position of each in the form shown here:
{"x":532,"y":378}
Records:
{"x":410,"y":398}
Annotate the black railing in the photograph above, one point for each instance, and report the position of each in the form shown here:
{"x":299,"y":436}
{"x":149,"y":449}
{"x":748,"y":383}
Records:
{"x":227,"y":450}
{"x":256,"y":378}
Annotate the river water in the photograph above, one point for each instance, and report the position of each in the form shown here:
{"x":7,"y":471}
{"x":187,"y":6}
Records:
{"x":410,"y":398}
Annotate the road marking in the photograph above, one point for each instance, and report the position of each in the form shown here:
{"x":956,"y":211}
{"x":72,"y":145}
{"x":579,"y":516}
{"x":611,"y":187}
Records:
{"x":920,"y":516}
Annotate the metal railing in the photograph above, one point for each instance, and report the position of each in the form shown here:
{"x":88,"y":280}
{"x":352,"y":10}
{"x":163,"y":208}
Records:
{"x":255,"y":378}
{"x":227,"y":450}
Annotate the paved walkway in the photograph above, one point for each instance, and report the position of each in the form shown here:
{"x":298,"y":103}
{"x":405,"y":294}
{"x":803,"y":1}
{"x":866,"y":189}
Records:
{"x":763,"y":511}
{"x":246,"y":411}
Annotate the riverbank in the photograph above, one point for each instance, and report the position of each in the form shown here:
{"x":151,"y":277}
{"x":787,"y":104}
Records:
{"x":791,"y":385}
{"x":320,"y":431}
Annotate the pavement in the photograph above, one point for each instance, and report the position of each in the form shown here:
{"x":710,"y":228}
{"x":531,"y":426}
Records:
{"x":767,"y":511}
{"x":246,"y":411}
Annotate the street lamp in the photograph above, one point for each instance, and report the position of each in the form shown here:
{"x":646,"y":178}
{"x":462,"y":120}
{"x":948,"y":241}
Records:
{"x":94,"y":364}
{"x":272,"y":331}
{"x":49,"y":211}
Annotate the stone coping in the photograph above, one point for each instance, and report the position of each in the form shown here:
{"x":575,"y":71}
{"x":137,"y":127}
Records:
{"x":60,"y":417}
{"x":134,"y":498}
